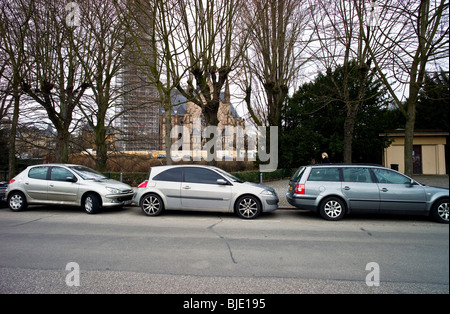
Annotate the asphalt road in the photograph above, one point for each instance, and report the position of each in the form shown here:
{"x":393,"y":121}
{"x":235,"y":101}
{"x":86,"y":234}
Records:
{"x":123,"y":251}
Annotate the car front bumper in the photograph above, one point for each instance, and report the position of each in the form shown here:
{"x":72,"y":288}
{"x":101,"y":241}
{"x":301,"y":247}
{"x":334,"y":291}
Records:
{"x":111,"y":200}
{"x":270,"y":203}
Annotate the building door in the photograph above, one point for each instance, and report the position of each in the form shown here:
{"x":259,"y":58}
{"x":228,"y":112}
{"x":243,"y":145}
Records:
{"x":417,"y":159}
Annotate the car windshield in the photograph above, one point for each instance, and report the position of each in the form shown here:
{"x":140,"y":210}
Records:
{"x":229,"y":176}
{"x":88,"y":173}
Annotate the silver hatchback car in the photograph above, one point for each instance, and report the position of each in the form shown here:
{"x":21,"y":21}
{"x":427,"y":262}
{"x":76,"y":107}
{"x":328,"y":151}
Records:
{"x":335,"y":190}
{"x":62,"y":184}
{"x":202,"y":188}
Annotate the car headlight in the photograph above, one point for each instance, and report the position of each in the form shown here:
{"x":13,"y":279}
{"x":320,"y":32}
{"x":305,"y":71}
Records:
{"x":113,"y":190}
{"x":267,"y":192}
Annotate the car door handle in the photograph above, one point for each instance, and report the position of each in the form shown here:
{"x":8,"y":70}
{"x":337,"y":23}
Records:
{"x":187,"y":187}
{"x":384,"y":190}
{"x":347,"y":188}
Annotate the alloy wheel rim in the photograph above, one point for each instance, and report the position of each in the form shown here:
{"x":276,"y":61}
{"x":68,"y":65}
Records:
{"x":443,"y":211}
{"x":151,"y":205}
{"x":248,"y":207}
{"x":88,"y":204}
{"x":16,"y":202}
{"x":333,"y":209}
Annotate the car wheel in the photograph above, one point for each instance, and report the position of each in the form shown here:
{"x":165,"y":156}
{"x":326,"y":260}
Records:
{"x":332,"y":209}
{"x":440,"y":211}
{"x":17,"y":202}
{"x":92,"y":204}
{"x":248,"y":207}
{"x":152,"y":205}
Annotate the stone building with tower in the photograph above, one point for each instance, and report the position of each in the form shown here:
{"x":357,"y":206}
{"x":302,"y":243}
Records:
{"x":188,"y":117}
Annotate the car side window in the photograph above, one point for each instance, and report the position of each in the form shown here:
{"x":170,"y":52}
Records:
{"x":39,"y":173}
{"x":200,"y":175}
{"x":390,"y":177}
{"x":171,"y":175}
{"x":60,"y":174}
{"x":324,"y":174}
{"x":360,"y":175}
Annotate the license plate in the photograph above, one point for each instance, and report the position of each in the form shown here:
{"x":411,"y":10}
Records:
{"x":290,"y":188}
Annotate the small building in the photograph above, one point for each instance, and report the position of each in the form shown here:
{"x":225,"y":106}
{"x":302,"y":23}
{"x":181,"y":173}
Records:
{"x":429,"y":151}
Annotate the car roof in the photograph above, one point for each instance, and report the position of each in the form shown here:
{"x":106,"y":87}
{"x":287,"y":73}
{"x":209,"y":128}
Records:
{"x":56,"y":164}
{"x":346,"y":165}
{"x":159,"y":169}
{"x":183,"y":166}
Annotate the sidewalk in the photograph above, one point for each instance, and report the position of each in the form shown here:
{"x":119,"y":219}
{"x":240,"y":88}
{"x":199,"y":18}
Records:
{"x":432,"y":180}
{"x":281,"y":186}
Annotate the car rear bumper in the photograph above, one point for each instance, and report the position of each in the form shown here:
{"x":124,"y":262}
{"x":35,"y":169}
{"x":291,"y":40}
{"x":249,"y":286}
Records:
{"x":302,"y":202}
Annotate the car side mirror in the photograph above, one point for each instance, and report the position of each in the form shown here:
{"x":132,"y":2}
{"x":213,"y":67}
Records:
{"x":71,"y":179}
{"x":221,"y":182}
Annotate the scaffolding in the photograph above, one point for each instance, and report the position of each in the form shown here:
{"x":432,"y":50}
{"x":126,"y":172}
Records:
{"x":139,"y":122}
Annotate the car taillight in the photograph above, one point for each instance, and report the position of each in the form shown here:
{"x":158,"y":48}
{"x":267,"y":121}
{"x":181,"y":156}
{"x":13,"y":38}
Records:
{"x":143,"y":184}
{"x":12,"y":181}
{"x":300,"y":189}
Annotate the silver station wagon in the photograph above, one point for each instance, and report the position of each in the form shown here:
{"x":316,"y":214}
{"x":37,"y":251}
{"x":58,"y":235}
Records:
{"x":62,"y":184}
{"x":335,"y":190}
{"x":202,"y":188}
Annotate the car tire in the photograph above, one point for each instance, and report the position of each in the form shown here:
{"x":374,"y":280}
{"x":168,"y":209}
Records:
{"x":248,"y":207}
{"x":332,"y":209}
{"x":17,"y":201}
{"x":439,"y":212}
{"x":92,"y":204}
{"x":152,"y":205}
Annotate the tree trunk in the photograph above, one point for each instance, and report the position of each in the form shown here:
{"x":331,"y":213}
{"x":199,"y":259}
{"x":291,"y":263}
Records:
{"x":168,"y":128}
{"x":276,"y":95}
{"x":12,"y":134}
{"x":210,"y":112}
{"x":62,"y":146}
{"x":349,"y":129}
{"x":409,"y":140}
{"x":101,"y":148}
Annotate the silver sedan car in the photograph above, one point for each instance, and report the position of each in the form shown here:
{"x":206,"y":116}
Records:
{"x":335,"y":190}
{"x":202,"y":188}
{"x":62,"y":184}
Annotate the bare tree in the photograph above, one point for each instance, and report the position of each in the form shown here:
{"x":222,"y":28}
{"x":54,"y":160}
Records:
{"x":102,"y":59}
{"x":408,"y":39}
{"x":191,"y":46}
{"x":210,"y":46}
{"x":14,"y":27}
{"x":5,"y":88}
{"x":279,"y":32}
{"x":339,"y":35}
{"x":57,"y":81}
